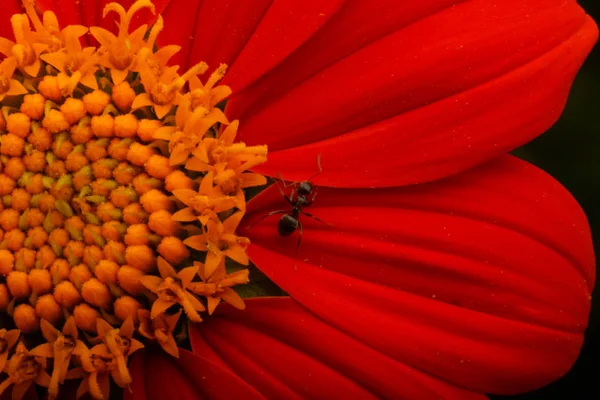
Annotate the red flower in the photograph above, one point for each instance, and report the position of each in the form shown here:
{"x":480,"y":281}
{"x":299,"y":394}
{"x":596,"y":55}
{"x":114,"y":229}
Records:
{"x":476,"y":280}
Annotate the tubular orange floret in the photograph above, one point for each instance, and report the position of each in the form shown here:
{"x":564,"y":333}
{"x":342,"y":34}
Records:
{"x":126,"y":307}
{"x":114,"y":169}
{"x":26,"y":318}
{"x":47,"y":308}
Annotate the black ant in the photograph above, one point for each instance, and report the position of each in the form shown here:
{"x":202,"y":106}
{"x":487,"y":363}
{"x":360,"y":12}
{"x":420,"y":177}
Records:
{"x":303,"y":195}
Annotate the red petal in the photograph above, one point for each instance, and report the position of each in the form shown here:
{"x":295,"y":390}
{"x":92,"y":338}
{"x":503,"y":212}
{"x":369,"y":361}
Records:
{"x":284,"y":28}
{"x":483,"y":279}
{"x":7,"y":9}
{"x":156,"y":375}
{"x":429,"y":94}
{"x":285,"y":352}
{"x":213,"y":31}
{"x":89,"y":13}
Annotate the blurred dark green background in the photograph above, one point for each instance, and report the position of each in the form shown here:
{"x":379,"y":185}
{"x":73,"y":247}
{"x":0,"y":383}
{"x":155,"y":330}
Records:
{"x":570,"y":152}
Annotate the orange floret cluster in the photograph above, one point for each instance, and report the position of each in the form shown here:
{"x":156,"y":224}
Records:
{"x":121,"y":189}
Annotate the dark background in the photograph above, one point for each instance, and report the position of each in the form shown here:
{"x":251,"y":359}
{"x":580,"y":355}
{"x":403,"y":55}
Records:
{"x":570,"y":152}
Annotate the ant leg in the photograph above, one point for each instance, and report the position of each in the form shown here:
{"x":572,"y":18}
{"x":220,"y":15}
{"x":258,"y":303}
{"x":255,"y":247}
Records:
{"x":285,"y":186}
{"x":299,"y":240}
{"x":316,"y":218}
{"x":266,"y":216}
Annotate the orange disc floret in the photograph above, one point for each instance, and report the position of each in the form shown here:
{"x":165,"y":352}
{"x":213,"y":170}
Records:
{"x":177,"y":180}
{"x":96,"y":293}
{"x":126,"y":126}
{"x":67,"y":295}
{"x":14,"y":168}
{"x":96,"y":101}
{"x":158,"y":166}
{"x":155,"y":200}
{"x":103,"y":187}
{"x":76,"y":161}
{"x":20,"y":199}
{"x":40,"y":138}
{"x":92,"y":256}
{"x":129,"y":280}
{"x":147,"y":128}
{"x":119,"y":148}
{"x":35,"y":217}
{"x":59,"y":237}
{"x":134,"y":214}
{"x":74,"y":225}
{"x":40,"y":281}
{"x":139,"y":154}
{"x":19,"y":124}
{"x":143,"y":183}
{"x":114,"y":251}
{"x":92,"y":234}
{"x":26,"y":319}
{"x":85,"y":317}
{"x":162,"y":223}
{"x":106,"y":271}
{"x":123,"y":96}
{"x":14,"y":239}
{"x":9,"y":219}
{"x":57,"y":219}
{"x":173,"y":250}
{"x":35,"y":184}
{"x":80,"y":274}
{"x":96,"y":149}
{"x":103,"y":126}
{"x":56,"y":169}
{"x":7,"y":262}
{"x":55,"y":121}
{"x":47,"y":308}
{"x":126,"y":307}
{"x":141,"y":257}
{"x":4,"y":297}
{"x":113,"y":230}
{"x":82,"y":178}
{"x":37,"y":237}
{"x":47,"y":202}
{"x":125,"y":173}
{"x":81,"y":133}
{"x":18,"y":284}
{"x":123,"y":196}
{"x":33,"y":105}
{"x":50,"y":88}
{"x":108,"y":212}
{"x":45,"y":256}
{"x":137,"y":234}
{"x":74,"y":252}
{"x":25,"y":259}
{"x":73,"y":109}
{"x":61,"y":147}
{"x":35,"y":161}
{"x":59,"y":270}
{"x":7,"y":185}
{"x":102,"y":169}
{"x":12,"y":145}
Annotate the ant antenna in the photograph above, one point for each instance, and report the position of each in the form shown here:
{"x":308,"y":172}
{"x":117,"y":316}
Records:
{"x":320,"y":168}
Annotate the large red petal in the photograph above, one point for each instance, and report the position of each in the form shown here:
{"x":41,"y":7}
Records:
{"x":286,"y":352}
{"x":430,"y":89}
{"x":89,"y":13}
{"x":482,"y":279}
{"x":157,"y":375}
{"x":213,"y":31}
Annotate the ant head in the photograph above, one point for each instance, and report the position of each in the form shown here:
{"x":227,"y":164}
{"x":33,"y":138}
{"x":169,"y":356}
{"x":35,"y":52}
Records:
{"x":305,"y":188}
